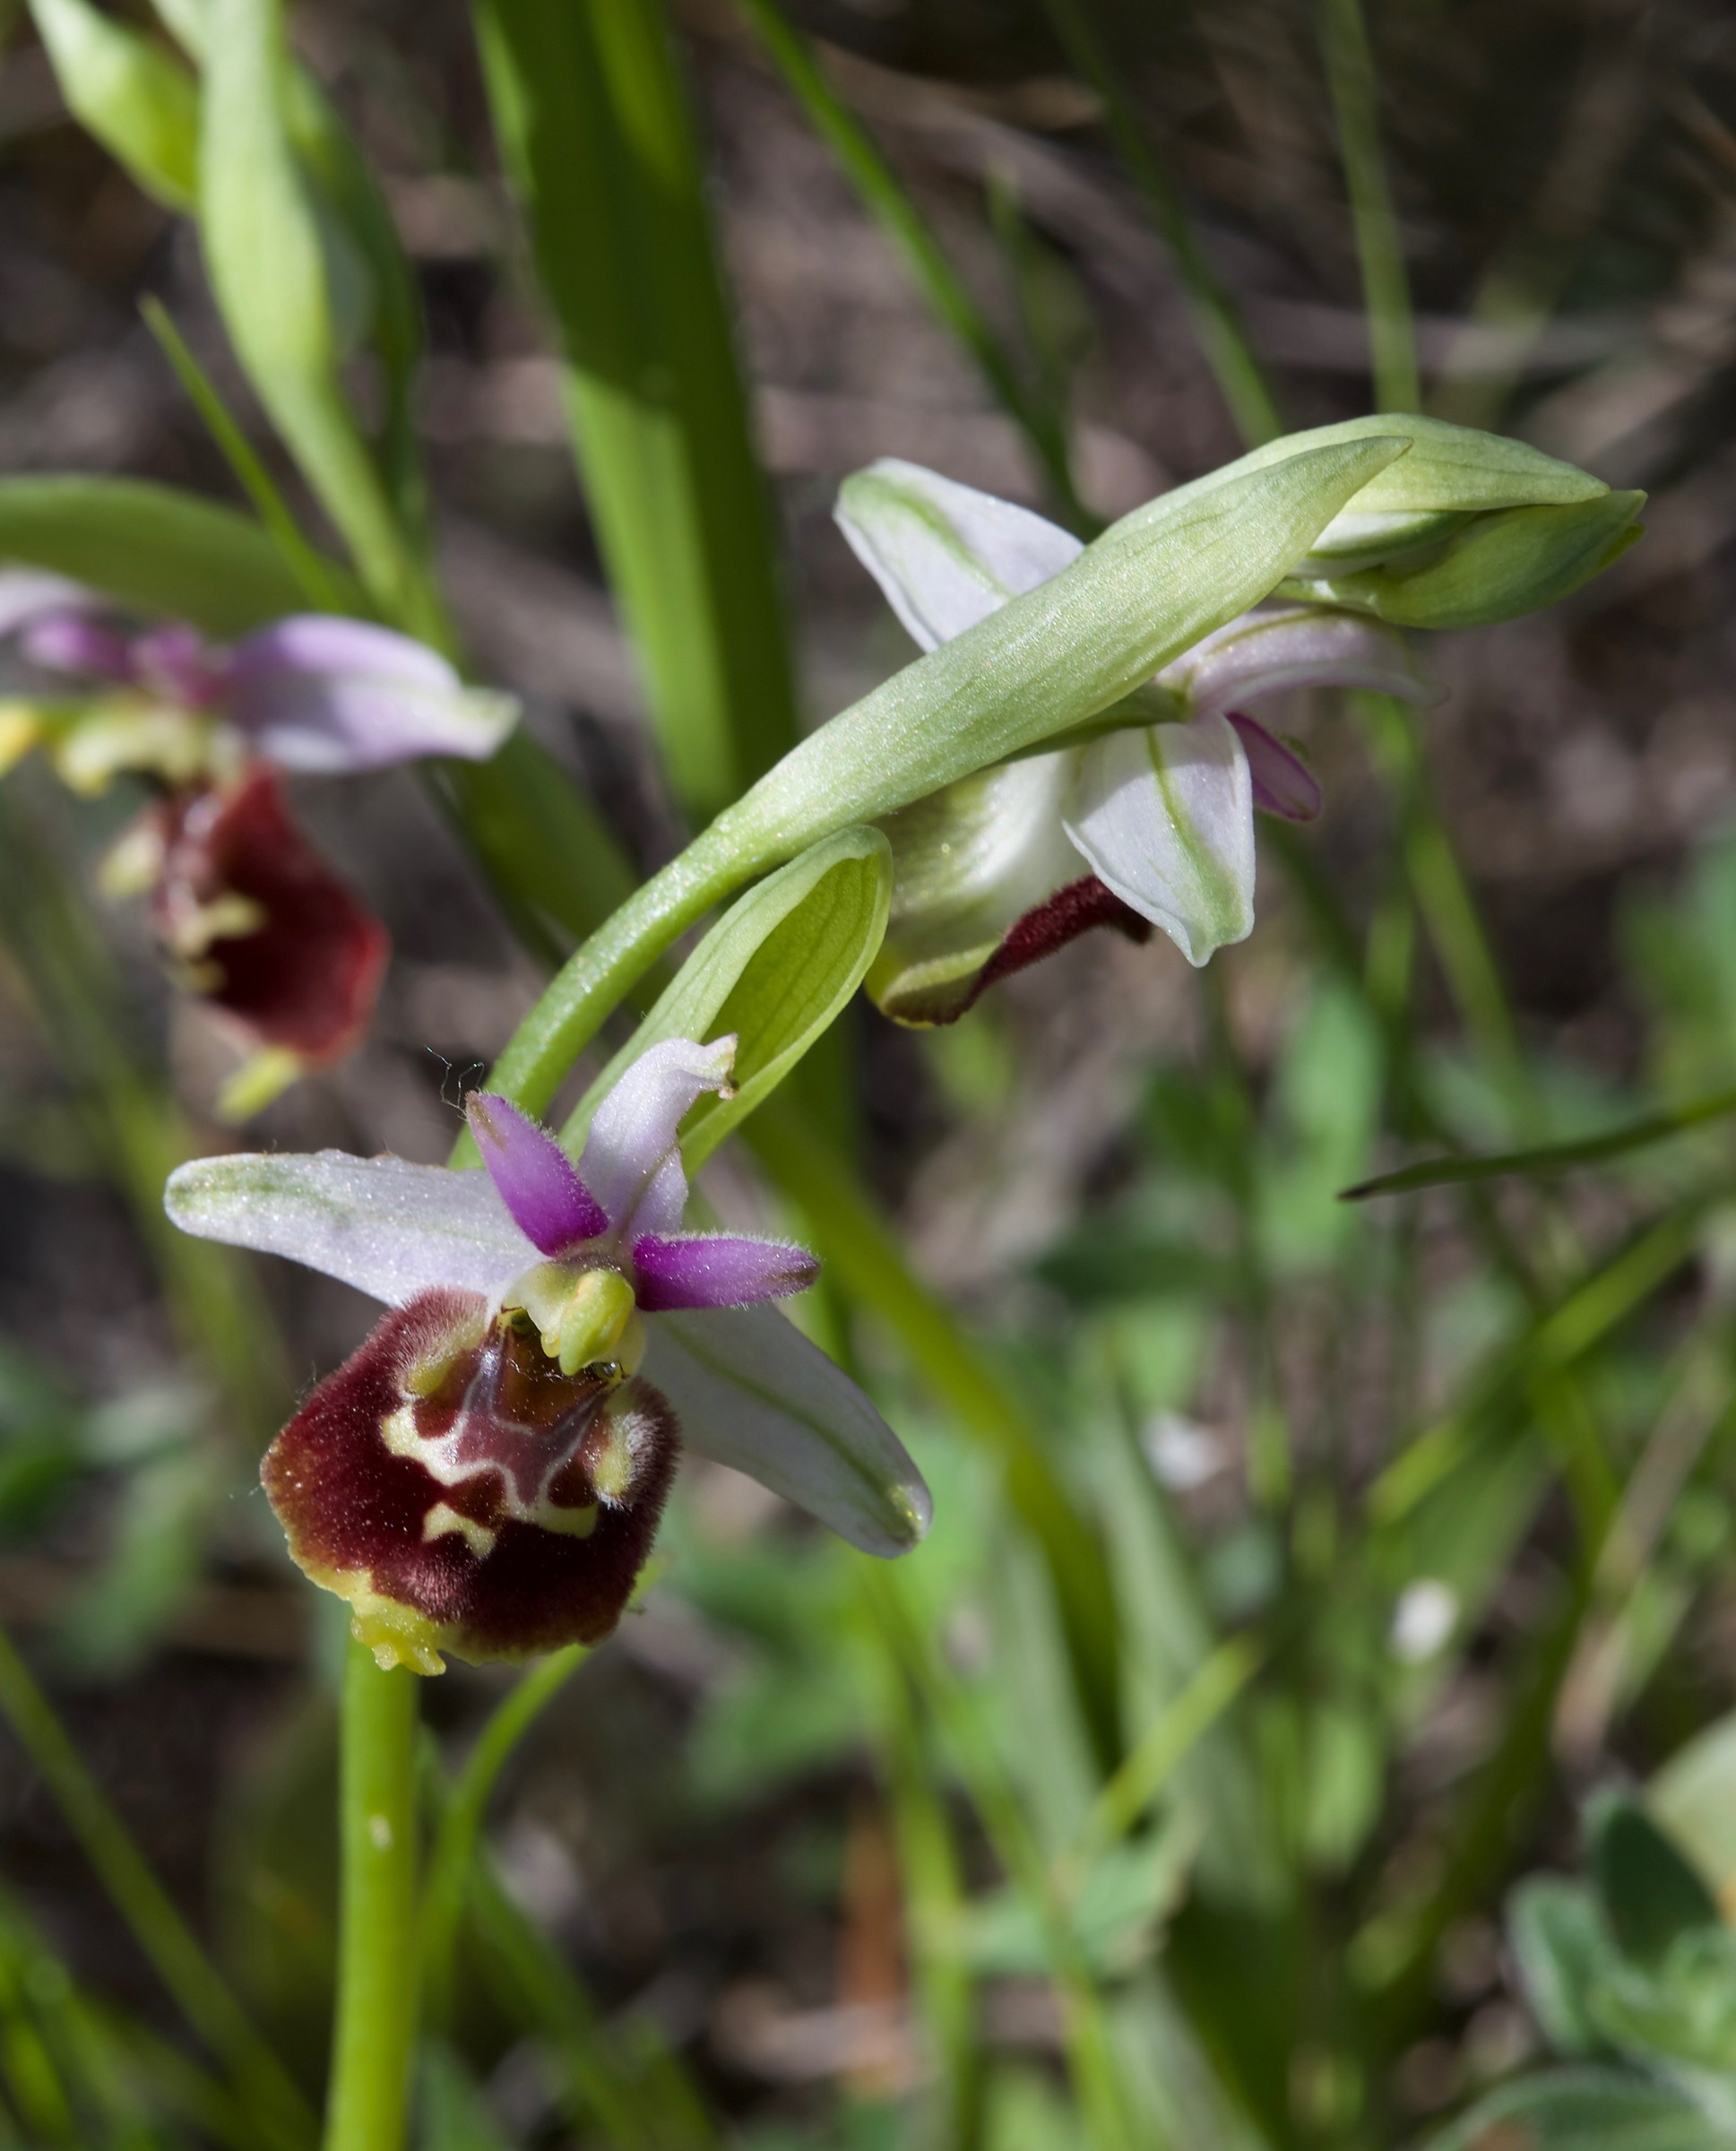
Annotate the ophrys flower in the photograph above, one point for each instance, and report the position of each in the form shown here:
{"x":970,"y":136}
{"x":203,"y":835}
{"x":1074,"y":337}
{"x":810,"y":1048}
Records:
{"x":485,"y":1474}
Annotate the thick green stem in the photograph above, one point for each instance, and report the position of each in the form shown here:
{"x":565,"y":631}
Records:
{"x":368,"y":2096}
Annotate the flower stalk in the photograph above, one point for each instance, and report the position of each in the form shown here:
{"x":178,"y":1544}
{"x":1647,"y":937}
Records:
{"x":367,"y":2097}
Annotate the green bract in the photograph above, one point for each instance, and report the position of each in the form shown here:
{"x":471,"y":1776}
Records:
{"x":775,"y":970}
{"x":1490,"y":567}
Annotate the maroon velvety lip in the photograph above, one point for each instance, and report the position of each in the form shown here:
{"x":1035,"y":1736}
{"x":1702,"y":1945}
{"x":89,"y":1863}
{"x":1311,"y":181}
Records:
{"x":507,"y":1439}
{"x":305,"y":977}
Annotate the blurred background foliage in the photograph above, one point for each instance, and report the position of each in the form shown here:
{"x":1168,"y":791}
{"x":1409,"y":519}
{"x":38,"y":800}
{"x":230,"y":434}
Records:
{"x":1391,"y":1791}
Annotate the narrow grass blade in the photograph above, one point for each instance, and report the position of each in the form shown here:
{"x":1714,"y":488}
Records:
{"x":1223,"y":335}
{"x":949,"y":297}
{"x":1386,"y":288}
{"x":1548,"y":1158}
{"x":591,"y":118}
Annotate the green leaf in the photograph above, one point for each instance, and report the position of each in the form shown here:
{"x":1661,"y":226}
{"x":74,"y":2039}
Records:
{"x":1694,"y":1799}
{"x":1583,"y":2109}
{"x":1561,"y":1944}
{"x":595,"y":133}
{"x":1497,"y":566}
{"x":151,"y":549}
{"x":776,"y":970}
{"x":1651,"y":1894}
{"x":269,"y":260}
{"x":138,"y":102}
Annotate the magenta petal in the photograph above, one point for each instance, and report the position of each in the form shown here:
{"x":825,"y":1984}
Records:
{"x":717,"y":1269}
{"x":176,"y":662}
{"x":538,"y":1182}
{"x":1283,"y":782}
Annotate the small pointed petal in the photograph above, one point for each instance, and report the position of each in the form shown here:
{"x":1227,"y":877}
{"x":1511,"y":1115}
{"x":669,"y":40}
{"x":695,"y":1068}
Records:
{"x":717,"y":1269}
{"x":74,"y":642}
{"x":945,"y":555}
{"x":751,"y":1392}
{"x":389,"y":1228}
{"x":1265,"y":652}
{"x":1166,"y":818}
{"x":326,"y":695}
{"x":177,"y":663}
{"x":538,"y":1182}
{"x":1283,"y":783}
{"x":632,"y":1161}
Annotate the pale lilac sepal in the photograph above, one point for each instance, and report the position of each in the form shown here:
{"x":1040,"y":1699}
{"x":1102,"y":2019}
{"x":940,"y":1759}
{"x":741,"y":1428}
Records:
{"x":386,"y":1226}
{"x":716,"y":1269}
{"x":324,"y":695}
{"x":1283,"y":783}
{"x":632,"y":1161}
{"x":751,"y":1392}
{"x":538,"y":1182}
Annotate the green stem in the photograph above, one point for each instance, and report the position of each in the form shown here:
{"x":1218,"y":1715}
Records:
{"x":280,"y":2114}
{"x":1386,"y":288}
{"x":1223,"y":335}
{"x":368,"y":2096}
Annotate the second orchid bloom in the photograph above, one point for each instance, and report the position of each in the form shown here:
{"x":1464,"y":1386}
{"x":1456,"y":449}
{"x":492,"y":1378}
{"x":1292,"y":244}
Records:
{"x":1146,"y":822}
{"x":250,"y":917}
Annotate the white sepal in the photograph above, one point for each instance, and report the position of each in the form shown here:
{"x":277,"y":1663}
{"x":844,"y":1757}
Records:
{"x":945,"y":555}
{"x":1165,"y":816}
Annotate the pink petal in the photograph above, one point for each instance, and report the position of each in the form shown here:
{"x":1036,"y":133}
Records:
{"x":176,"y":663}
{"x":538,"y":1182}
{"x":632,"y":1158}
{"x":1283,"y":782}
{"x":716,"y":1269}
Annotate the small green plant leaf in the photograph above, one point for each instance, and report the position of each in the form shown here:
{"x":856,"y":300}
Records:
{"x":1561,"y":1944}
{"x":775,"y":969}
{"x":1650,"y":1893}
{"x":1583,"y":2110}
{"x":141,"y":104}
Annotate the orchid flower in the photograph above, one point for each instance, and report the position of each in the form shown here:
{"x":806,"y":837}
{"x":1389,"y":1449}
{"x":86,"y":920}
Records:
{"x":250,"y":917}
{"x":485,"y":1474}
{"x":1149,"y":823}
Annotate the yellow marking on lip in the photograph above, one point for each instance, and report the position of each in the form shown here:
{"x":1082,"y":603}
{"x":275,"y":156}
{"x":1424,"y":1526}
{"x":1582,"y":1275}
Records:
{"x":442,"y":1521}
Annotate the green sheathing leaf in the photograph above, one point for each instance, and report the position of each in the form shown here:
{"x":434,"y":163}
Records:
{"x":139,"y":104}
{"x":776,"y":970}
{"x":151,"y":549}
{"x":596,"y":139}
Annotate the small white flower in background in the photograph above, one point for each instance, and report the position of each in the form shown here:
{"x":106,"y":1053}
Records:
{"x":1183,"y":1453}
{"x":1149,"y":823}
{"x":1423,"y":1620}
{"x":485,"y":1474}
